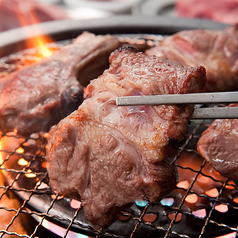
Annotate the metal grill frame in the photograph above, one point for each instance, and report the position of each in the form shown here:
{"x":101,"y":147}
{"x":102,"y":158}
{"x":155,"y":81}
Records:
{"x":134,"y":25}
{"x":74,"y":224}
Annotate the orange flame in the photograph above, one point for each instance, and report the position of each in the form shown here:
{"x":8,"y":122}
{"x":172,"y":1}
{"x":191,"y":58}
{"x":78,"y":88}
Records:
{"x":39,"y":41}
{"x":44,"y":50}
{"x":221,"y":208}
{"x":212,"y":192}
{"x":191,"y":198}
{"x":9,"y":142}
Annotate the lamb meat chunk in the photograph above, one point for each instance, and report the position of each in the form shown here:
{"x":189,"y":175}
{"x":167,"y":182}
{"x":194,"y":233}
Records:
{"x":218,"y":145}
{"x":38,"y":96}
{"x":110,"y":156}
{"x":216,"y":50}
{"x":225,"y":11}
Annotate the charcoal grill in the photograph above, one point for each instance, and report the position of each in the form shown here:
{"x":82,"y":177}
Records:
{"x":204,"y":203}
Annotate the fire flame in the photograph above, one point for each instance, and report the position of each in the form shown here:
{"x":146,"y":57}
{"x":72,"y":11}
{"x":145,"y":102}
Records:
{"x":44,"y":50}
{"x":9,"y":142}
{"x":39,"y":41}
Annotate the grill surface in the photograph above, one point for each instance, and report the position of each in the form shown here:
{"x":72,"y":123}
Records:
{"x":204,"y":204}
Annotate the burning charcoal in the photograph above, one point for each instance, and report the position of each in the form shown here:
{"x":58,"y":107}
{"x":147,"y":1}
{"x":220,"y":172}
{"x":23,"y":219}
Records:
{"x":8,"y":201}
{"x":216,"y":50}
{"x":36,"y":97}
{"x":110,"y":156}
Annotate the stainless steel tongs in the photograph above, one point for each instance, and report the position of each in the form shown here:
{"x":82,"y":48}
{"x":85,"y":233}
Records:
{"x":193,"y":98}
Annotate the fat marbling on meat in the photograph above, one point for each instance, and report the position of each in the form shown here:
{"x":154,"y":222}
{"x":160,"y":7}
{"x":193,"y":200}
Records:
{"x":38,"y":96}
{"x":216,"y":50}
{"x":218,"y":145}
{"x":109,"y":156}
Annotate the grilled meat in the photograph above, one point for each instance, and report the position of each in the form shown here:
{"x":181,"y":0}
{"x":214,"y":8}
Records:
{"x":38,"y":96}
{"x":216,"y":50}
{"x":109,"y":156}
{"x":218,"y":146}
{"x":217,"y":10}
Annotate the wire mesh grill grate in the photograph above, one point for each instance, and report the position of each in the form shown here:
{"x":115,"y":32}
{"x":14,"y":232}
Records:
{"x":204,"y":204}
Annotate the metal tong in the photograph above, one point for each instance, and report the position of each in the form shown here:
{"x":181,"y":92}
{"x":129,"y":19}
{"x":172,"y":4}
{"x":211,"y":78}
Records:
{"x":214,"y":112}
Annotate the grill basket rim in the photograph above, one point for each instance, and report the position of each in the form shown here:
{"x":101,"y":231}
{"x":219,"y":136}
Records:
{"x":14,"y":40}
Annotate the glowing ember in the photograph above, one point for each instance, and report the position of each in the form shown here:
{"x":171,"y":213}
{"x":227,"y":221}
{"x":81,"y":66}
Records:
{"x":203,"y":180}
{"x":54,"y":196}
{"x":9,"y":142}
{"x":75,"y":204}
{"x":212,"y":193}
{"x":20,"y":150}
{"x":191,"y":198}
{"x":175,"y":216}
{"x":221,"y":208}
{"x":191,"y":159}
{"x":44,"y":164}
{"x":231,"y":185}
{"x":216,"y":172}
{"x":29,"y":174}
{"x":183,"y":184}
{"x":150,"y":217}
{"x":235,"y":200}
{"x":123,"y":216}
{"x":200,"y":213}
{"x":231,"y":235}
{"x":22,"y":162}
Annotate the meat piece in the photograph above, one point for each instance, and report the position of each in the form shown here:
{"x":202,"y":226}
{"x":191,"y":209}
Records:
{"x":225,"y":11}
{"x":216,"y":50}
{"x":38,"y":96}
{"x":218,"y":145}
{"x":109,"y":156}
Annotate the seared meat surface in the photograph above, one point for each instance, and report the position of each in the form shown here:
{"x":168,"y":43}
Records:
{"x":216,"y":50}
{"x":38,"y":96}
{"x":109,"y":156}
{"x":218,"y":145}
